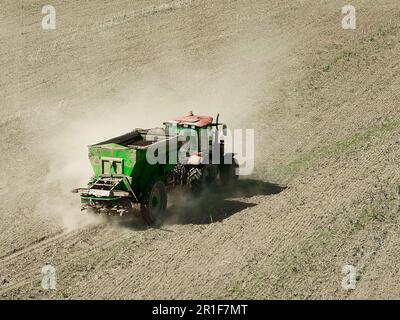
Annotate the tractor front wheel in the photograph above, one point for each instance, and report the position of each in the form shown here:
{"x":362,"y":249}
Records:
{"x":155,"y":204}
{"x":228,"y":174}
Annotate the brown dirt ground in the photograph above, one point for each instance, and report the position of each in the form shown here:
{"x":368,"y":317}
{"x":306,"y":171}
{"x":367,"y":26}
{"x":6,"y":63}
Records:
{"x":324,"y":103}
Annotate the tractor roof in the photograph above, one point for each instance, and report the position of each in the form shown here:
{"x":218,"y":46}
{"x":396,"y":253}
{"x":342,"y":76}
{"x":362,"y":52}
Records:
{"x":197,"y":121}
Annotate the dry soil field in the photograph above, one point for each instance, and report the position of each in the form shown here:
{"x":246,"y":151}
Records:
{"x":324,"y":103}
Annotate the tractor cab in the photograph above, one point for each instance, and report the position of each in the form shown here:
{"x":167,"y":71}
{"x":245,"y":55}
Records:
{"x":202,"y":126}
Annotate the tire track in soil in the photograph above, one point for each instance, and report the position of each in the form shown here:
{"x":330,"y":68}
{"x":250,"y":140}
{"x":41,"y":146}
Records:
{"x":23,"y":268}
{"x":25,"y":265}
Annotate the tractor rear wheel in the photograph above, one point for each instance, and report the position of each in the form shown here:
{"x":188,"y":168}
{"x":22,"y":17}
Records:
{"x":195,"y":179}
{"x":155,"y":204}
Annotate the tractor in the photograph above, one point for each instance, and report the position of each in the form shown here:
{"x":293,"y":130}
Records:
{"x":125,"y":174}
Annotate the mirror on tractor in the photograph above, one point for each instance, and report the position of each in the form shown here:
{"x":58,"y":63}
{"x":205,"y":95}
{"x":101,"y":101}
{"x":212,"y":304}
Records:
{"x":224,"y":130}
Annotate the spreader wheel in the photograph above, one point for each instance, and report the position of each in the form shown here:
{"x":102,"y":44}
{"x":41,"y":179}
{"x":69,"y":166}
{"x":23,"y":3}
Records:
{"x":155,"y":204}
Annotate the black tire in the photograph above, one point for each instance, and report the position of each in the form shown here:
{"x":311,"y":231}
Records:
{"x":227,"y":173}
{"x":195,"y":179}
{"x":155,"y":204}
{"x":179,"y":174}
{"x":210,"y":173}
